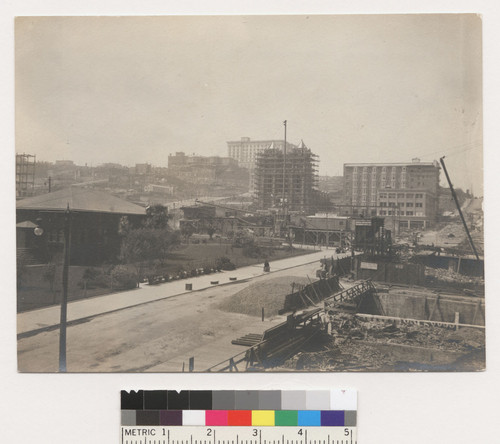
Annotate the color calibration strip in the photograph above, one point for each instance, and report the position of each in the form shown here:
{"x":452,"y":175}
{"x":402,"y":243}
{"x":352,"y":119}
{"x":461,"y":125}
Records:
{"x":330,"y":408}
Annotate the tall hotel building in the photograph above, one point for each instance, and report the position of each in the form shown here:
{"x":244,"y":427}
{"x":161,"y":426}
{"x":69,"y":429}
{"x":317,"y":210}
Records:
{"x":246,"y":151}
{"x":406,"y":194}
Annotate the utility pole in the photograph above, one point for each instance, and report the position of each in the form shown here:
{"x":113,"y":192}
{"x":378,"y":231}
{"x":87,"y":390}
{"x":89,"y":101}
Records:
{"x":284,"y":168}
{"x":284,"y":181}
{"x":64,"y":300}
{"x":458,"y":207}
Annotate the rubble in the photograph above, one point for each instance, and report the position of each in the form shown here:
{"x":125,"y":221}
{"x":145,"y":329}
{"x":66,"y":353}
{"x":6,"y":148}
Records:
{"x":376,"y":346}
{"x":446,"y":275}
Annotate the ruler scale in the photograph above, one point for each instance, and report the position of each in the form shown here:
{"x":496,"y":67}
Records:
{"x":240,"y":435}
{"x":239,"y":417}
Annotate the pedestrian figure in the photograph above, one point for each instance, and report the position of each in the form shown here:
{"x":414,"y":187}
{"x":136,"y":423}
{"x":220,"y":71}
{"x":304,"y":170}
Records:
{"x":266,"y":266}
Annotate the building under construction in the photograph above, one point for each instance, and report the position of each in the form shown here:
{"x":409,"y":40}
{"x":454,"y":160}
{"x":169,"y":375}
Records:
{"x":286,"y":180}
{"x":25,"y":174}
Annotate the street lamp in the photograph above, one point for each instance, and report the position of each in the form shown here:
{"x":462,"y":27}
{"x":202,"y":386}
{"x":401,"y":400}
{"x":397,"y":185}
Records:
{"x":38,"y":230}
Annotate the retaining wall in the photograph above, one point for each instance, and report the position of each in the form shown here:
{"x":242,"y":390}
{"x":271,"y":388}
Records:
{"x":426,"y":306}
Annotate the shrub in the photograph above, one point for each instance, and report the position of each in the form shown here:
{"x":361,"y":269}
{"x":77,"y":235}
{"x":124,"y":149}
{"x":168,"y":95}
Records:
{"x":122,"y":278}
{"x":224,"y":263}
{"x":94,"y":278}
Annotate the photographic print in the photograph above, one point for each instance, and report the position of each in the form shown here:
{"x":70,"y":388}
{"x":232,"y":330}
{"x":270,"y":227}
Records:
{"x":249,"y":193}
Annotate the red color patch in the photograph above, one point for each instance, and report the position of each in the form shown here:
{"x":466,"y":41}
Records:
{"x":239,"y":417}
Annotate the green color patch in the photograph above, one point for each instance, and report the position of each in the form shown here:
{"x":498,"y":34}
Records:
{"x":286,"y":418}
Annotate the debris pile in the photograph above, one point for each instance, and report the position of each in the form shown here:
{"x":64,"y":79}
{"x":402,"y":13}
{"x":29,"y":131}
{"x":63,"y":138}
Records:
{"x":361,"y":345}
{"x":269,"y":294}
{"x":450,"y":276}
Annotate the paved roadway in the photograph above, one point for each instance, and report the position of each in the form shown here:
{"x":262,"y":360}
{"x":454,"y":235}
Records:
{"x":155,"y":328}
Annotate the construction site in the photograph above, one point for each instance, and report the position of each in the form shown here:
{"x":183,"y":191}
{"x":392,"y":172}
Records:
{"x":286,"y":179}
{"x":362,"y":289}
{"x":412,"y":302}
{"x":407,"y":302}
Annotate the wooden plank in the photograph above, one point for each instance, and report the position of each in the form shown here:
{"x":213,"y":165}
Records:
{"x":416,"y":321}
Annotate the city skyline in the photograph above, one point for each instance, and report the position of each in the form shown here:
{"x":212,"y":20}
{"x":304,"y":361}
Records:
{"x":354,"y":88}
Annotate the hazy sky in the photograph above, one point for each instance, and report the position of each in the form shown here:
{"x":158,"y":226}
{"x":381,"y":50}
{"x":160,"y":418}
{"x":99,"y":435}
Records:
{"x":354,"y":88}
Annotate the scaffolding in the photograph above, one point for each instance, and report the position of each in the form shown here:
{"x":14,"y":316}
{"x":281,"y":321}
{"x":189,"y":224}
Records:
{"x":289,"y":185}
{"x":25,"y":174}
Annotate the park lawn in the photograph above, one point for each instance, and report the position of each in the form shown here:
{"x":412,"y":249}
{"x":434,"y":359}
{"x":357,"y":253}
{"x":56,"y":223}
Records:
{"x":198,"y":255}
{"x":36,"y":292}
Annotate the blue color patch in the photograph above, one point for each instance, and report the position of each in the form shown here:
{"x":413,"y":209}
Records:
{"x":332,"y":418}
{"x":309,"y":418}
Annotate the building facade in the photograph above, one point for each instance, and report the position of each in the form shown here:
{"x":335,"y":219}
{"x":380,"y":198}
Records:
{"x":404,"y":193}
{"x":246,"y":151}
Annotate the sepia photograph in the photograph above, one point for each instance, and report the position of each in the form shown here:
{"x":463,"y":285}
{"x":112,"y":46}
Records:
{"x":287,"y":193}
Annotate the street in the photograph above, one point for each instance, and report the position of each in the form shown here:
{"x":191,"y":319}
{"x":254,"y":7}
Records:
{"x":159,"y":334}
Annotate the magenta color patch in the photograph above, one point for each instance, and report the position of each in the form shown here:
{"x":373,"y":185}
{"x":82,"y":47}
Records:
{"x":216,"y":418}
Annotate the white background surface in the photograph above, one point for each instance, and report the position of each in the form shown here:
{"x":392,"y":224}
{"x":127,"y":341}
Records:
{"x":393,"y":408}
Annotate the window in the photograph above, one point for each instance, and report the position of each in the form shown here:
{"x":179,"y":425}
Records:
{"x":419,"y":196}
{"x":409,"y":213}
{"x":383,"y":204}
{"x":383,"y":212}
{"x":389,"y":213}
{"x":392,"y":195}
{"x":401,"y":195}
{"x":409,"y":204}
{"x":382,"y":195}
{"x":409,"y":195}
{"x":419,"y":205}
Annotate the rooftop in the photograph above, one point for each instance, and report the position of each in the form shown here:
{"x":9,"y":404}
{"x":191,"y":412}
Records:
{"x":80,"y":199}
{"x":410,"y":163}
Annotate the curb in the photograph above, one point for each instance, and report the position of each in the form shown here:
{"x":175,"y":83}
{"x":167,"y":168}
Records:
{"x":29,"y":333}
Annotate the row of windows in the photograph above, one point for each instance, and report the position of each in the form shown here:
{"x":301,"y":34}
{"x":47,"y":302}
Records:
{"x":401,"y":204}
{"x":400,"y":213}
{"x":401,"y":195}
{"x":373,"y":169}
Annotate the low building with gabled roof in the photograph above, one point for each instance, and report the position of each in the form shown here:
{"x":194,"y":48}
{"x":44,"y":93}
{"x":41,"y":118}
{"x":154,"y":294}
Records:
{"x":95,"y":221}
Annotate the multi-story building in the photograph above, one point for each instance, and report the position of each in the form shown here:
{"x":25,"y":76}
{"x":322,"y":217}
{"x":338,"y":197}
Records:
{"x":206,"y":170}
{"x":180,"y":159}
{"x":300,"y":179}
{"x":245,"y":151}
{"x":405,"y":193}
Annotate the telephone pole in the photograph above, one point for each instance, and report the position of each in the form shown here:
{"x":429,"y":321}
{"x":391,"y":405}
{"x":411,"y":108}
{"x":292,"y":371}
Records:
{"x":458,"y":208}
{"x":284,"y":168}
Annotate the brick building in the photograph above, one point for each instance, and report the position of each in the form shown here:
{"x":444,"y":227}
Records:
{"x":405,"y":193}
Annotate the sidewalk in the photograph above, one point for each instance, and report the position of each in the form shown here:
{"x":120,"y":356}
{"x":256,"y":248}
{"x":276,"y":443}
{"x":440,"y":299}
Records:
{"x":48,"y":318}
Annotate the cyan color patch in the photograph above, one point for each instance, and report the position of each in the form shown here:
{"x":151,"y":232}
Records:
{"x":309,"y":418}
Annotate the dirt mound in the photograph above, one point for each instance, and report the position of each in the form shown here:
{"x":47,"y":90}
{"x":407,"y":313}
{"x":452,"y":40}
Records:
{"x":269,"y":294}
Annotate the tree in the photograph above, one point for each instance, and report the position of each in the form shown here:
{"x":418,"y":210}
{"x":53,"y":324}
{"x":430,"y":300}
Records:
{"x":49,"y":275}
{"x":145,"y":247}
{"x":210,"y":231}
{"x":157,"y":217}
{"x":187,"y":230}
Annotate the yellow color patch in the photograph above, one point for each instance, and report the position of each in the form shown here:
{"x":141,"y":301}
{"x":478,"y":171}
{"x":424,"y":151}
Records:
{"x":263,"y":417}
